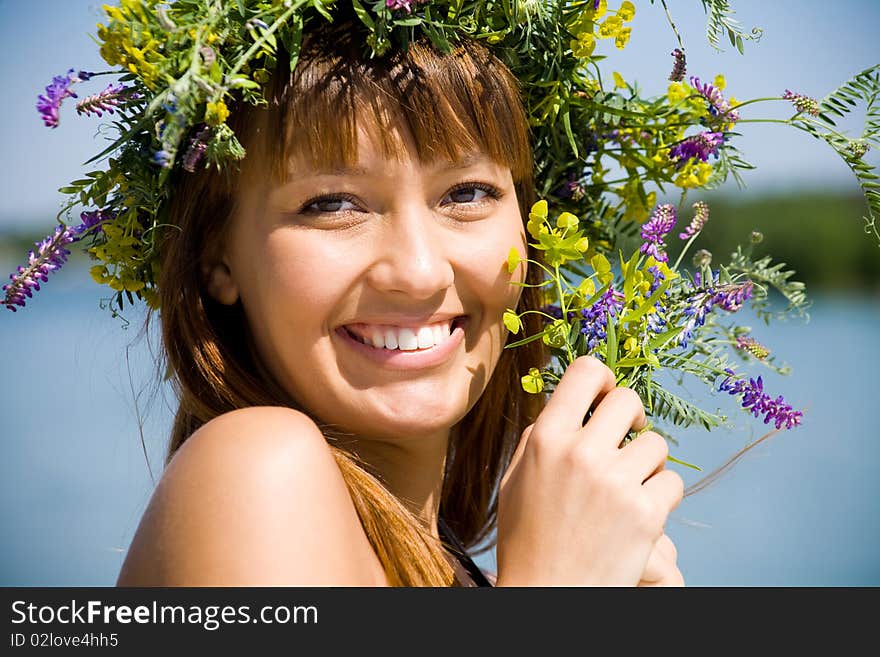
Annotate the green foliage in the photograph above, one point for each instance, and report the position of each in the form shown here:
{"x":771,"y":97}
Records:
{"x":863,"y":88}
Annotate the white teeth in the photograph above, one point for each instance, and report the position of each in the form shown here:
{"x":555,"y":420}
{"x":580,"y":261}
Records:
{"x":403,"y":338}
{"x":407,"y":340}
{"x":390,"y":339}
{"x":425,"y":336}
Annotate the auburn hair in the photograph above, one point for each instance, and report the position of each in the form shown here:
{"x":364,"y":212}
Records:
{"x":451,"y":103}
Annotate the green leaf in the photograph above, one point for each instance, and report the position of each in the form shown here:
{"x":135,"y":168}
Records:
{"x":684,"y":463}
{"x":531,"y":338}
{"x":566,"y":122}
{"x":362,"y":14}
{"x":647,"y":304}
{"x":611,"y":344}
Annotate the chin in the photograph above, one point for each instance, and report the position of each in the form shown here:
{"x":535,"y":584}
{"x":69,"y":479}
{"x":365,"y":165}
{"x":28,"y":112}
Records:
{"x":411,"y":421}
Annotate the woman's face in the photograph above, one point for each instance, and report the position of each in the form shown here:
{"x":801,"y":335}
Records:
{"x":375,"y":295}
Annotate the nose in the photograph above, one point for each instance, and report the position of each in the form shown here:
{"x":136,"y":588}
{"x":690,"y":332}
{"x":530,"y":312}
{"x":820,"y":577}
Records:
{"x":411,"y":255}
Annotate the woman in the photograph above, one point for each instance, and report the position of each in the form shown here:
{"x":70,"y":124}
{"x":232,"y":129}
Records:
{"x":331,"y":316}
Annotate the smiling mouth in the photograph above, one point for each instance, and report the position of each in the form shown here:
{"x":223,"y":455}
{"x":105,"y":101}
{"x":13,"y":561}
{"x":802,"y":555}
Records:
{"x":397,"y":338}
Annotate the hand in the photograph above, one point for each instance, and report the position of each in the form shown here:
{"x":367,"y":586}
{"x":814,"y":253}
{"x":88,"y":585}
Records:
{"x":661,"y":569}
{"x":574,"y":508}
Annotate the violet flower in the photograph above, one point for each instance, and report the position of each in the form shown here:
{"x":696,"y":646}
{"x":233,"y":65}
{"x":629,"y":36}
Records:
{"x":196,"y":150}
{"x":752,"y":346}
{"x":701,"y":216}
{"x":699,"y":146}
{"x":802,"y":103}
{"x":49,"y":256}
{"x":729,"y":297}
{"x":718,"y":105}
{"x":758,"y":402}
{"x":48,"y":104}
{"x":655,"y":229}
{"x":406,"y":5}
{"x":679,"y":68}
{"x":104,"y":101}
{"x":595,"y":318}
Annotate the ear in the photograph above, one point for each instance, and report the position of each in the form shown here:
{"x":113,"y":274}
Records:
{"x":220,"y":282}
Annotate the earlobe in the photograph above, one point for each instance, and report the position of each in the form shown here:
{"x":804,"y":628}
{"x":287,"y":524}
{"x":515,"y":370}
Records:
{"x":220,"y":283}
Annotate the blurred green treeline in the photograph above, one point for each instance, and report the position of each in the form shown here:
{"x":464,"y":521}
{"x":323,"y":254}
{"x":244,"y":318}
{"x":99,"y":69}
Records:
{"x":817,"y":234}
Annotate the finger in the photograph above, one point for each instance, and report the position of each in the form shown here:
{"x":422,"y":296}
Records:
{"x":666,"y":487}
{"x":645,"y":455}
{"x":517,"y":454}
{"x":585,"y":380}
{"x":620,"y":411}
{"x":660,"y":569}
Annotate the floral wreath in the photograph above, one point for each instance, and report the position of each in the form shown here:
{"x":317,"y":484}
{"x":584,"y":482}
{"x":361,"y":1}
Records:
{"x":178,"y":63}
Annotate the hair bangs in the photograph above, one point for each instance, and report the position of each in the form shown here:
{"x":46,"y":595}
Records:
{"x":451,"y":106}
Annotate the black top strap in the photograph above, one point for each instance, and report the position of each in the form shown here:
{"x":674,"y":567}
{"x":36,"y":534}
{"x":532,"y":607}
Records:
{"x":461,"y":554}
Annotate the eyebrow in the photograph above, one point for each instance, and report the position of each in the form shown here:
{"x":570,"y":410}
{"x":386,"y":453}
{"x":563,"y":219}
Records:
{"x":466,"y":162}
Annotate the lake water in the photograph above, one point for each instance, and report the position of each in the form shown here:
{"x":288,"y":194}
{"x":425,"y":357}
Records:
{"x":802,"y":509}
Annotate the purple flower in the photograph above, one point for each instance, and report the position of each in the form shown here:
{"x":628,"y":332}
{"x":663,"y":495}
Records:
{"x":679,"y":68}
{"x":655,"y":229}
{"x":752,"y":346}
{"x":729,"y":297}
{"x":196,"y":150}
{"x":92,"y":219}
{"x":49,"y":103}
{"x":49,"y":256}
{"x":162,"y":159}
{"x":595,"y":318}
{"x":802,"y":103}
{"x":701,"y":216}
{"x":699,"y":146}
{"x":758,"y":402}
{"x":718,"y":106}
{"x":406,"y":5}
{"x":104,"y":101}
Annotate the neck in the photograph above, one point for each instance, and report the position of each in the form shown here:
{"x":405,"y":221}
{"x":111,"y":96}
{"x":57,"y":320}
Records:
{"x":411,"y":468}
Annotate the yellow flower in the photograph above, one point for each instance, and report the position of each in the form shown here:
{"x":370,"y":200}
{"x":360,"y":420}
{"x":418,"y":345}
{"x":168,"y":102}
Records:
{"x":566,"y":220}
{"x":627,"y":11}
{"x":622,"y":38}
{"x":676,"y":92}
{"x":533,"y":382}
{"x":583,"y":46}
{"x":216,"y":113}
{"x":512,"y":321}
{"x":610,"y":27}
{"x":598,"y":12}
{"x":587,"y":288}
{"x":512,"y":260}
{"x":693,"y":174}
{"x":719,"y":82}
{"x":619,"y":82}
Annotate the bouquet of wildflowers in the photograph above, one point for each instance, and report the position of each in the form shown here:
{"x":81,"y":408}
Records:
{"x":611,"y":290}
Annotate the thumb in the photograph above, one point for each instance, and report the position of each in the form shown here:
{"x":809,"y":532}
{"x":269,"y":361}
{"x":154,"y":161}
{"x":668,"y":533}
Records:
{"x":517,"y":455}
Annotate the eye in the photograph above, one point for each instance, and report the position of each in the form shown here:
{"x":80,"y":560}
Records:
{"x":329,"y":204}
{"x":472,"y":192}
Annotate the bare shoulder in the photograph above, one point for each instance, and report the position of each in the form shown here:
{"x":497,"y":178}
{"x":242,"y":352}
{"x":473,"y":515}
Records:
{"x":253,"y":498}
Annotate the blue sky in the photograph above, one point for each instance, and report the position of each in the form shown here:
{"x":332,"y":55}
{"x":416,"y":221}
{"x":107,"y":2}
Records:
{"x":809,"y":46}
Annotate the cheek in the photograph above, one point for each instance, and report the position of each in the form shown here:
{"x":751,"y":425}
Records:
{"x":299,"y":269}
{"x":487,"y":264}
